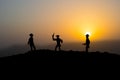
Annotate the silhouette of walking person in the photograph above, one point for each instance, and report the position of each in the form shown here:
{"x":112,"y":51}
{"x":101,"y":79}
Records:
{"x":58,"y":40}
{"x":87,"y":43}
{"x":31,"y":42}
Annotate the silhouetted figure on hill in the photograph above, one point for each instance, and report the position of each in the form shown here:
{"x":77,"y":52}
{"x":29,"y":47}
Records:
{"x":31,"y":42}
{"x":87,"y":43}
{"x":59,"y":41}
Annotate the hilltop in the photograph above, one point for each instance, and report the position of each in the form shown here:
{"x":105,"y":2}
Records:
{"x":62,"y":57}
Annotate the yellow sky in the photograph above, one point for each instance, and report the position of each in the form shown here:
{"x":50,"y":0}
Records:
{"x":69,"y":18}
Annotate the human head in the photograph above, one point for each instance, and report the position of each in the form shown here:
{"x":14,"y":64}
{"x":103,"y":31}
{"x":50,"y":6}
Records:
{"x":31,"y":35}
{"x":57,"y":36}
{"x":87,"y":35}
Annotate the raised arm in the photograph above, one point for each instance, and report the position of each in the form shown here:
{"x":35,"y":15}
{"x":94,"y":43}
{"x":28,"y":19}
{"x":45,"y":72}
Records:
{"x":53,"y":37}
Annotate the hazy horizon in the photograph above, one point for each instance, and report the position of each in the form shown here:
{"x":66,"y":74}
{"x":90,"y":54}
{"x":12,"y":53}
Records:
{"x":71,"y":19}
{"x":101,"y":46}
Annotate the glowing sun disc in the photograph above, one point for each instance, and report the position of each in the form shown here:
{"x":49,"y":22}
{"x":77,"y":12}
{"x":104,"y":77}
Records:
{"x":88,"y":33}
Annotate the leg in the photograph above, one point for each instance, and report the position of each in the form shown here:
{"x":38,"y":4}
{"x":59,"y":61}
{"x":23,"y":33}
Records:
{"x":56,"y":48}
{"x":31,"y":47}
{"x":59,"y":48}
{"x":34,"y":47}
{"x":86,"y":49}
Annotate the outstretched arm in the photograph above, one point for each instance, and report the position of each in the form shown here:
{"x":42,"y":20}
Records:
{"x":84,"y":44}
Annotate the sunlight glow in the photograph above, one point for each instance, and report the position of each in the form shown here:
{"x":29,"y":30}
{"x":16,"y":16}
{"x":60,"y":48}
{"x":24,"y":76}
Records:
{"x":88,"y":33}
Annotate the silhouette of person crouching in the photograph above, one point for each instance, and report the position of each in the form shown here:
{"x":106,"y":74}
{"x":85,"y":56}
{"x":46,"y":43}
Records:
{"x":31,"y":42}
{"x":58,"y":40}
{"x":87,"y":43}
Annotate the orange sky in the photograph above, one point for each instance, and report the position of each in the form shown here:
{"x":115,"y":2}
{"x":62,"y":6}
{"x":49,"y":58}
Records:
{"x":69,"y":18}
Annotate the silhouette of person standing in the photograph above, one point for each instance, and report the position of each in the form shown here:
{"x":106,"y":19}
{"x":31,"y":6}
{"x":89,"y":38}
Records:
{"x":87,"y":43}
{"x":58,"y":40}
{"x":31,"y":42}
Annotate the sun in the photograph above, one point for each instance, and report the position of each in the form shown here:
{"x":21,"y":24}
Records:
{"x":88,"y":33}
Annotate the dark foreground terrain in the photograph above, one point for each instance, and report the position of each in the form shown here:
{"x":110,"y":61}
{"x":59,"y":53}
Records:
{"x":63,"y":57}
